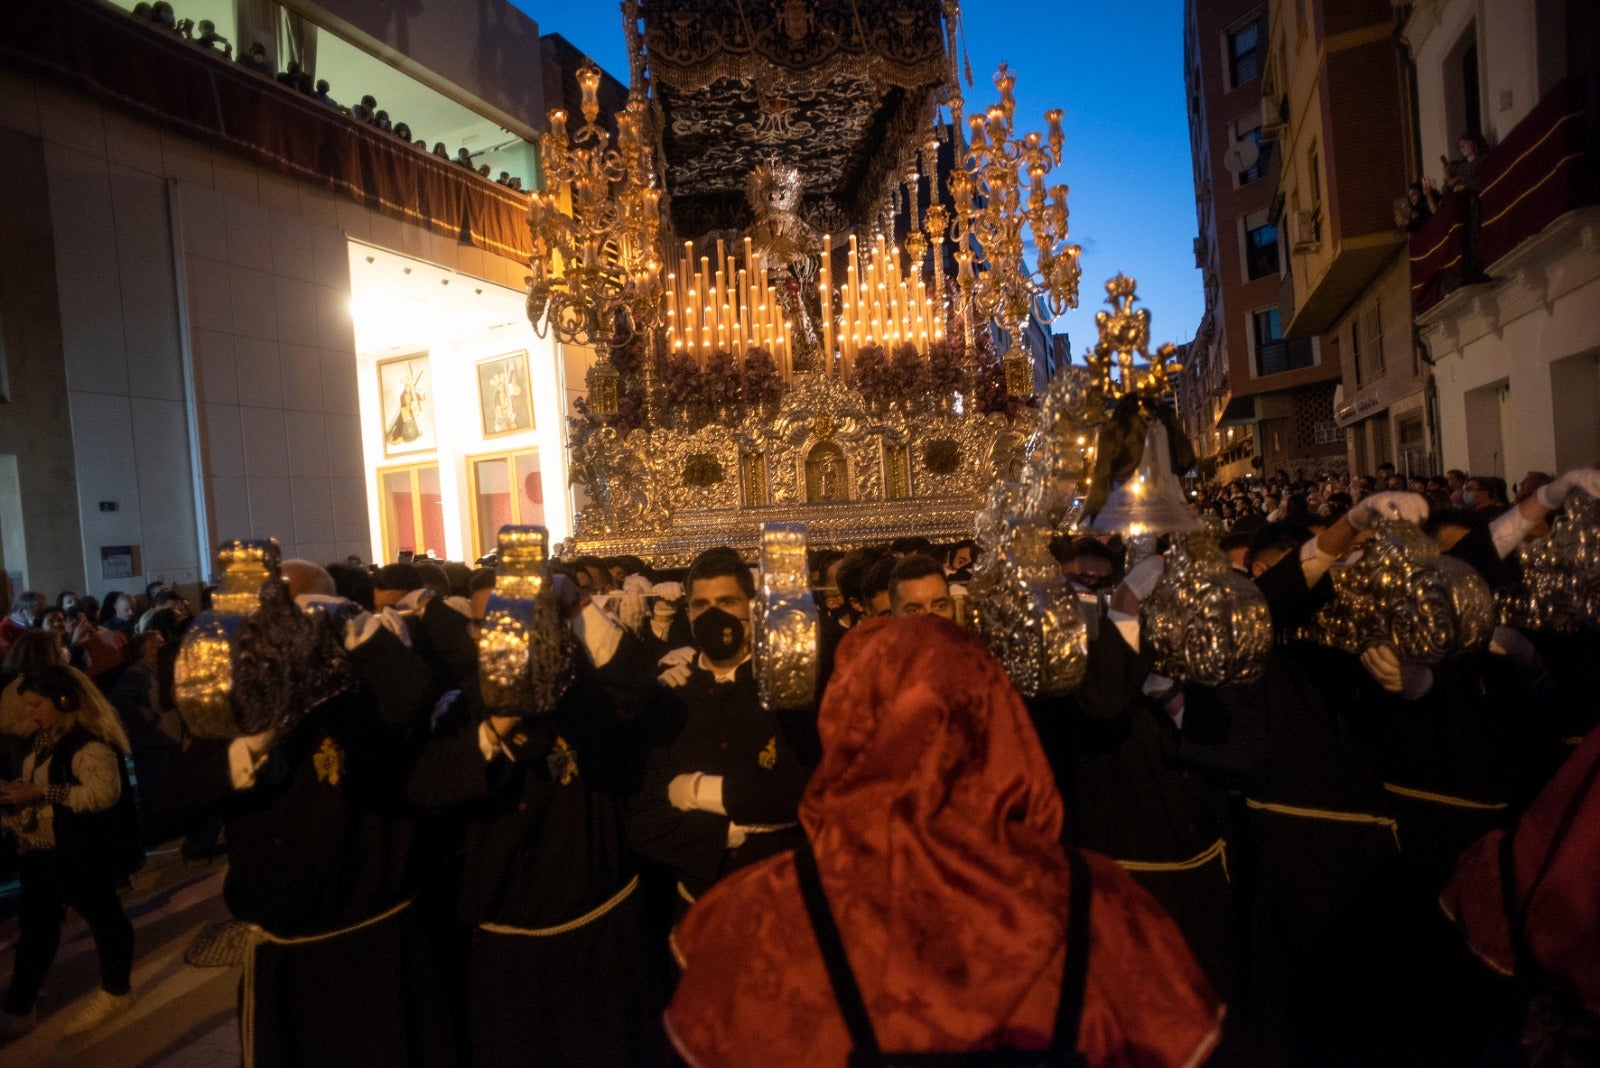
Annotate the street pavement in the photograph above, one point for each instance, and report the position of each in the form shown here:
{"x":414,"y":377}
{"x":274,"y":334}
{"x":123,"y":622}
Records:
{"x":185,"y":1016}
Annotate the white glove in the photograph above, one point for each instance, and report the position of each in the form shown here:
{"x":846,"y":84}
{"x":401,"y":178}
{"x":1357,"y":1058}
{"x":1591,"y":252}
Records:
{"x":637,"y":584}
{"x":630,"y":608}
{"x":680,"y":791}
{"x":1391,"y":504}
{"x":1510,"y":643}
{"x":1554,"y":494}
{"x":669,"y":591}
{"x":696,"y":791}
{"x":1144,"y":575}
{"x":1401,"y":678}
{"x":679,"y":665}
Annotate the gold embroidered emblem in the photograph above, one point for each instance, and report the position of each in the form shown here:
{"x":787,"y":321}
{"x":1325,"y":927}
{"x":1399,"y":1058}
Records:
{"x":769,"y":756}
{"x":329,"y":762}
{"x":563,"y":762}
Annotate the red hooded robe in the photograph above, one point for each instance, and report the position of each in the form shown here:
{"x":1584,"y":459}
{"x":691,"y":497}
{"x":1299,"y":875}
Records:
{"x":936,"y":826}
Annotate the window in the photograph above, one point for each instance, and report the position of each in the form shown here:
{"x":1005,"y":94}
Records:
{"x":506,"y":489}
{"x":1314,"y":176}
{"x":1369,"y":344}
{"x":1274,"y":355}
{"x":413,"y":510}
{"x":1244,"y":53}
{"x":1249,"y":129}
{"x":1260,"y":247}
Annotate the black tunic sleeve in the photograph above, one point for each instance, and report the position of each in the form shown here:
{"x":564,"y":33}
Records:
{"x":198,"y":782}
{"x":1292,"y":602}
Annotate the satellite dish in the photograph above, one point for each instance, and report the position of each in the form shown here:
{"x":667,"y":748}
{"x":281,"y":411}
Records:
{"x":1241,"y":157}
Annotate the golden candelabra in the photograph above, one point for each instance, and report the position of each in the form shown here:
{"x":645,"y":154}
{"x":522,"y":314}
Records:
{"x":999,"y":193}
{"x":596,"y":226}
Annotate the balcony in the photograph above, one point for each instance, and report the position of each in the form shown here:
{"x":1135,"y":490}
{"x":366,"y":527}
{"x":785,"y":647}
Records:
{"x":163,"y":79}
{"x":1545,"y":167}
{"x":1276,"y":357}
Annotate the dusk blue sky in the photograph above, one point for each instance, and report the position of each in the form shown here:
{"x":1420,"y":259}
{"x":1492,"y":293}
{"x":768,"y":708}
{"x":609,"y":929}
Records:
{"x":1117,"y":70}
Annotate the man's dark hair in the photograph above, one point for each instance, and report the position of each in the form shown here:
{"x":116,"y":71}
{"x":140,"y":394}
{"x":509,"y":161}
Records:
{"x":964,"y":543}
{"x":853,"y":572}
{"x":876,"y":580}
{"x":458,"y":574}
{"x":909,"y":569}
{"x":715,"y":563}
{"x":402,"y":577}
{"x":1452,"y":517}
{"x":907,"y":546}
{"x":589,"y":562}
{"x":1283,"y":537}
{"x":150,"y":588}
{"x":1236,"y":539}
{"x":1087,"y":546}
{"x":482,"y":579}
{"x":353,"y":584}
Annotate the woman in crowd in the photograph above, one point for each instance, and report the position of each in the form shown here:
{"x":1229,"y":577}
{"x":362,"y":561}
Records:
{"x":72,"y":814}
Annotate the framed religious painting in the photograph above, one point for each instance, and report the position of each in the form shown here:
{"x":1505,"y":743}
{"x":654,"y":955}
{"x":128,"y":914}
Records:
{"x":405,"y":399}
{"x":505,"y":400}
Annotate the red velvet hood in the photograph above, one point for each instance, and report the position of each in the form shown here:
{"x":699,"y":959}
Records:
{"x":936,"y":825}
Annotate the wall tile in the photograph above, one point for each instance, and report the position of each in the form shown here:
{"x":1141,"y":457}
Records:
{"x":72,"y":120}
{"x":330,"y":257}
{"x":354,"y":219}
{"x":385,"y":231}
{"x":210,"y":286}
{"x":166,"y":492}
{"x":266,"y":449}
{"x":362,"y":549}
{"x":345,"y":459}
{"x":186,"y":160}
{"x":223,"y":435}
{"x":21,"y":95}
{"x":335,"y":327}
{"x":87,"y":283}
{"x":255,"y":308}
{"x":215,"y":369}
{"x":105,"y":469}
{"x":271,"y":510}
{"x":339,"y":389}
{"x":228,"y":505}
{"x":297,"y":310}
{"x":148,"y":286}
{"x":234,"y":177}
{"x":308,"y":444}
{"x":260,"y":372}
{"x":313,"y":510}
{"x":204,"y":222}
{"x":249,"y":227}
{"x":291,"y":246}
{"x":133,"y":144}
{"x":302,"y":378}
{"x":321,"y":552}
{"x":350,"y":510}
{"x":320,"y":207}
{"x":280,"y":194}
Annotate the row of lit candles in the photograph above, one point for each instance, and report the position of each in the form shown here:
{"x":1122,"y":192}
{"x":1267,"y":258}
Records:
{"x":719,"y":304}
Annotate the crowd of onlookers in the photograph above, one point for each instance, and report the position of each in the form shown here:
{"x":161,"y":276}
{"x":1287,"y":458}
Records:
{"x":204,"y":33}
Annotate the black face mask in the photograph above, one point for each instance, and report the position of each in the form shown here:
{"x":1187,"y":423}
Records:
{"x":718,"y":634}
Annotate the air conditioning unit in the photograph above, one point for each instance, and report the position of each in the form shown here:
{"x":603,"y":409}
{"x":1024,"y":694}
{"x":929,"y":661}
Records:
{"x":1272,"y":117}
{"x":1306,"y":231}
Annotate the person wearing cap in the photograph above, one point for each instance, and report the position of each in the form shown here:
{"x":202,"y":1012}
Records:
{"x":930,"y":907}
{"x":71,"y":812}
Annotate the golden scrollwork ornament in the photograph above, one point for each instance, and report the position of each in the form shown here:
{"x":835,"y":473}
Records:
{"x":1560,"y":587}
{"x":1027,"y":614}
{"x":202,"y":681}
{"x":1398,"y":594}
{"x":1205,"y":622}
{"x":784,"y":645}
{"x":525,"y":650}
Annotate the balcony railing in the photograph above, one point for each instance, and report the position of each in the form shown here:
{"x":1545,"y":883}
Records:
{"x":1544,"y":168}
{"x":1276,"y":357}
{"x":160,"y":77}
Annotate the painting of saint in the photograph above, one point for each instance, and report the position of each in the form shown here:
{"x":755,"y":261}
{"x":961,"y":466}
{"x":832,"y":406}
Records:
{"x":505,"y":400}
{"x":405,"y":393}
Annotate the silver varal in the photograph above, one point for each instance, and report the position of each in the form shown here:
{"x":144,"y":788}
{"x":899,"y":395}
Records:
{"x":1205,"y":622}
{"x":202,"y":682}
{"x":1398,"y":593}
{"x":525,"y":650}
{"x":1560,"y":587}
{"x":784,"y":645}
{"x":1026,"y":612}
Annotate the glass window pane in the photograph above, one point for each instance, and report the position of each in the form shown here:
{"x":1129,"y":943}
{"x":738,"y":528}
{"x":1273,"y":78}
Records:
{"x":493,"y":481}
{"x":397,"y":513}
{"x":530,"y":488}
{"x":431,"y":536}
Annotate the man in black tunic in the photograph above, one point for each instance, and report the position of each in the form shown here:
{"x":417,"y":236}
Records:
{"x":725,"y":776}
{"x":560,"y":970}
{"x":320,"y":842}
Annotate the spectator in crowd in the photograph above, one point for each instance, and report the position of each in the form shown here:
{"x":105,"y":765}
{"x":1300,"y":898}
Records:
{"x":256,"y":59}
{"x":25,"y":611}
